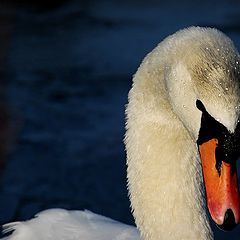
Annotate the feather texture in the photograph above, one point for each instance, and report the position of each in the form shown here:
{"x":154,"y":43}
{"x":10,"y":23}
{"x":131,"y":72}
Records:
{"x":60,"y":224}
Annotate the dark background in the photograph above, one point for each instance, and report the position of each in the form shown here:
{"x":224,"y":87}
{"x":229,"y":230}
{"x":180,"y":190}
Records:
{"x":65,"y":71}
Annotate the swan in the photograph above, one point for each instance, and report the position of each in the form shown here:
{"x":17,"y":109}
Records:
{"x":182,"y":142}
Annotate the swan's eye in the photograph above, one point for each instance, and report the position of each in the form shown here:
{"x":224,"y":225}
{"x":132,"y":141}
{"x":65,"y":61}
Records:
{"x":210,"y":128}
{"x":200,"y":106}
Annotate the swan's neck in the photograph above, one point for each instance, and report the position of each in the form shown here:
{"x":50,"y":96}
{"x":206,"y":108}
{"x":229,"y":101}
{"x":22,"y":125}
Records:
{"x":164,"y":172}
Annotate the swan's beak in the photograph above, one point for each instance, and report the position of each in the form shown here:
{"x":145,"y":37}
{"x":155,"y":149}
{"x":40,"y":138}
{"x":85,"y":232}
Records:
{"x":221,"y":186}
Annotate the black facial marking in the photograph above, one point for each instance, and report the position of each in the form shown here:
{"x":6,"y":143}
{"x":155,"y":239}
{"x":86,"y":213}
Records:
{"x":200,"y":106}
{"x":228,"y":148}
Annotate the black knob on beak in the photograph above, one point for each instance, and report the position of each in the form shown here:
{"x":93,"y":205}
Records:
{"x":229,"y":221}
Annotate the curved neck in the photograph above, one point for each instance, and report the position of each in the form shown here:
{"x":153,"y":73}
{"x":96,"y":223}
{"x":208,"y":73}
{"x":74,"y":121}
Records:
{"x":164,"y":173}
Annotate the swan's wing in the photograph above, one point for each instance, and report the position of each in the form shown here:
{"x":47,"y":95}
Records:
{"x":59,"y":224}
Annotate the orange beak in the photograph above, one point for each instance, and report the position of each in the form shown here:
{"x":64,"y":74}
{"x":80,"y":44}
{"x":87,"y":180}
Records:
{"x":221,"y":187}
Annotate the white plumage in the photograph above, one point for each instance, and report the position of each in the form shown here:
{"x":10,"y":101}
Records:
{"x":59,"y":224}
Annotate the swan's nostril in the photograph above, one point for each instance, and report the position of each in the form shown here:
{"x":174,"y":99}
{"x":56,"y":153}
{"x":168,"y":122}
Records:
{"x":229,"y":221}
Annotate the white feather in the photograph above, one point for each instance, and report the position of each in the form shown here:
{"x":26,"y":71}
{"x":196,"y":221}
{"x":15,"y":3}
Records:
{"x":60,"y":224}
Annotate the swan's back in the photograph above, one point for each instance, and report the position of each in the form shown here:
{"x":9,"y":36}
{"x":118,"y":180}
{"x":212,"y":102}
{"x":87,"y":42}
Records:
{"x":59,"y":224}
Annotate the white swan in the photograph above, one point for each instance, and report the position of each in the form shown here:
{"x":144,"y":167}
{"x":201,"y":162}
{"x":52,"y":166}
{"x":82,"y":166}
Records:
{"x":184,"y":100}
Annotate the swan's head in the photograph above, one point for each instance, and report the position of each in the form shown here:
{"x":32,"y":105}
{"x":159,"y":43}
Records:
{"x":207,"y":99}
